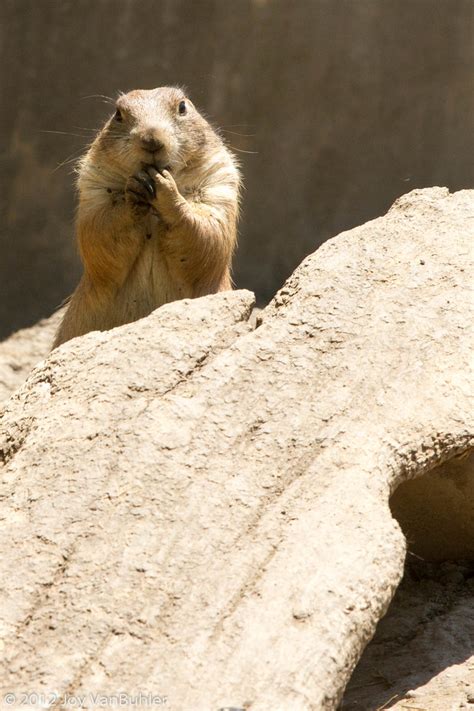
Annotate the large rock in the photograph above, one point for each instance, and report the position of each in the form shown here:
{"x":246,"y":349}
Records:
{"x":199,"y":509}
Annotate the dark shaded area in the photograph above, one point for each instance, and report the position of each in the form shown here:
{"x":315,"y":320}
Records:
{"x":436,"y":511}
{"x":407,"y":650}
{"x":344,"y":107}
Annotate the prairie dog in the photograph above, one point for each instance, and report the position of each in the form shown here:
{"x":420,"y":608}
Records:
{"x":157,"y":213}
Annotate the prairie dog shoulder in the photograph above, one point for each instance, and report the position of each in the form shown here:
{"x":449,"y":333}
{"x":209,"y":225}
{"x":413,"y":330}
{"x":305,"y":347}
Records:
{"x":157,"y":212}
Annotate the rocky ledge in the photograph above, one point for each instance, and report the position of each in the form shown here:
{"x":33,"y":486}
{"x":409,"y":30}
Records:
{"x":197,"y":506}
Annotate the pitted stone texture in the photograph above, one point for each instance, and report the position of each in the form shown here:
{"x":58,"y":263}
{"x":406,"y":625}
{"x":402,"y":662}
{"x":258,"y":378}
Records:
{"x":22,"y":351}
{"x":197,"y":509}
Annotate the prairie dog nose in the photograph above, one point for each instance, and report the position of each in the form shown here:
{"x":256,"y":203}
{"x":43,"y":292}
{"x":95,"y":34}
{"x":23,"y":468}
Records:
{"x":151,"y":144}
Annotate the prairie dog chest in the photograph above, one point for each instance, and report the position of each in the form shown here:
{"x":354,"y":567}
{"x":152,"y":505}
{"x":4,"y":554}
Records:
{"x":153,"y":275}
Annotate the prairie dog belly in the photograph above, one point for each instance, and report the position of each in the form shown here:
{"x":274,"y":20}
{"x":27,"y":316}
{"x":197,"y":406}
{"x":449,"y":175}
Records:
{"x":148,"y":285}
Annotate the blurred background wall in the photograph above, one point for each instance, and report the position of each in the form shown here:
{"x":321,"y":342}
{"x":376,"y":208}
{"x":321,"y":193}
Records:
{"x":336,"y":107}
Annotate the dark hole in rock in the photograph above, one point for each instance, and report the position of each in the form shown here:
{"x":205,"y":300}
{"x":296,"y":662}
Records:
{"x":436,"y":511}
{"x":422,"y":654}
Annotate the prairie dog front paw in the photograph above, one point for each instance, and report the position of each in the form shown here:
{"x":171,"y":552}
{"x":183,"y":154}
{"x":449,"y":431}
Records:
{"x":140,"y":193}
{"x":167,"y":201}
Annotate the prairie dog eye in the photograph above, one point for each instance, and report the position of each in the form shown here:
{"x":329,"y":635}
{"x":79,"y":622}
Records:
{"x":182,"y":108}
{"x":118,"y":116}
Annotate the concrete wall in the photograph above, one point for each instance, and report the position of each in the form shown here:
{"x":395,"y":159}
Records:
{"x":343,"y":104}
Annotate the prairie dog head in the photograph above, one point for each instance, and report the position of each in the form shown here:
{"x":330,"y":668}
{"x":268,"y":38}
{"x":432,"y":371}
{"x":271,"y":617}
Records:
{"x":159,"y":127}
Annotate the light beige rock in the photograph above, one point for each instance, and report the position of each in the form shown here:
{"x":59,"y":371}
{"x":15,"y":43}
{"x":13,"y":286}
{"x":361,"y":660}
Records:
{"x":21,"y":351}
{"x":200,"y":510}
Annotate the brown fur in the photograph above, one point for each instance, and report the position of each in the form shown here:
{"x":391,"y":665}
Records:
{"x":141,"y":250}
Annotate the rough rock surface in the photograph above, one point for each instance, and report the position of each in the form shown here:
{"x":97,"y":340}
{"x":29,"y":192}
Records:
{"x":198,"y":509}
{"x":21,"y":351}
